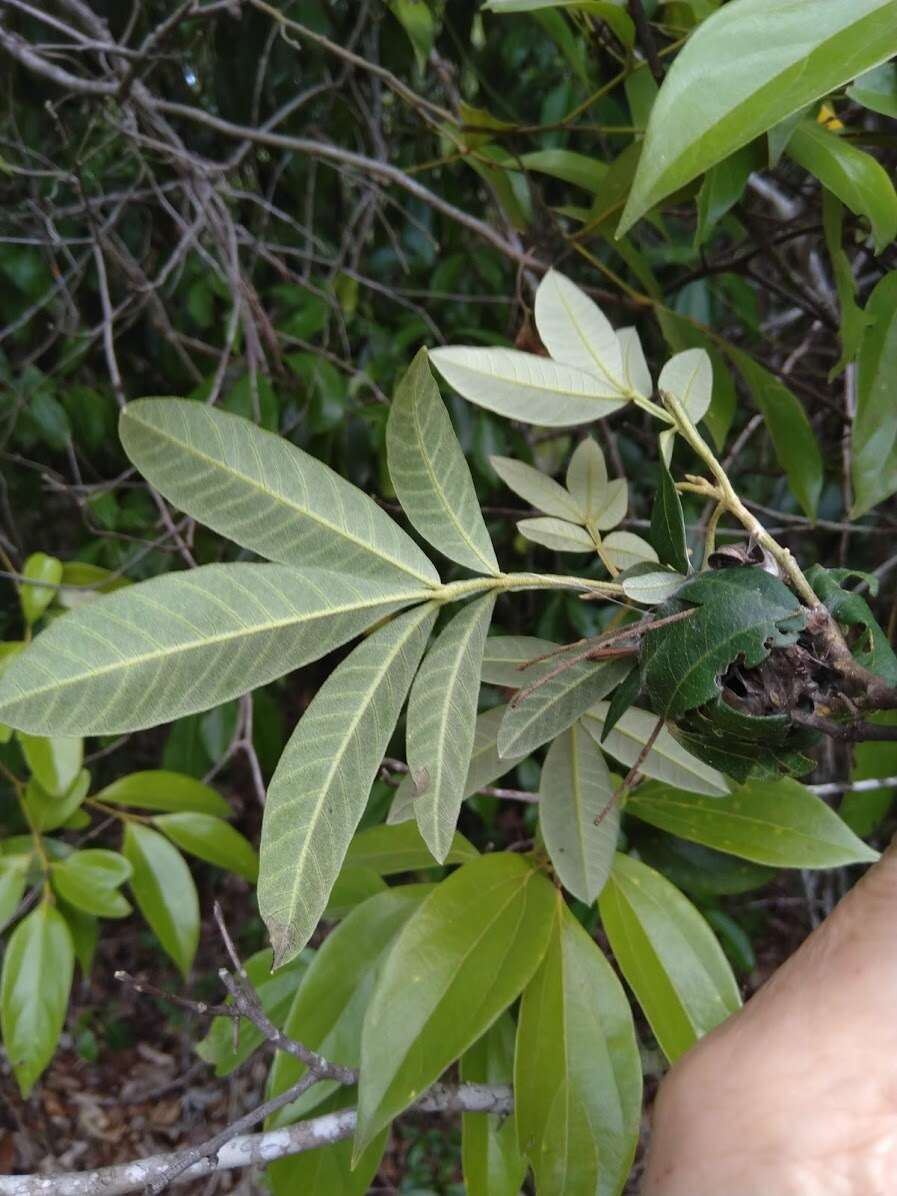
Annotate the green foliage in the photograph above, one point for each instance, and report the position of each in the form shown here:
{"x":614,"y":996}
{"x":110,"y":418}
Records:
{"x":510,"y":137}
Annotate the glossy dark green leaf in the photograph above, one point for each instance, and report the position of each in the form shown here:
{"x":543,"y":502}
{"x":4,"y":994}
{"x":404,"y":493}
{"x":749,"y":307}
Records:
{"x":490,"y":1158}
{"x":668,"y":954}
{"x":792,"y":436}
{"x":89,"y":880}
{"x":853,"y":318}
{"x":329,"y":1006}
{"x":858,"y":180}
{"x":877,"y":89}
{"x":275,"y":993}
{"x":744,"y":69}
{"x":164,"y":891}
{"x":870,"y":645}
{"x":625,"y":695}
{"x":741,"y":612}
{"x":158,"y":789}
{"x":874,"y":455}
{"x":779,"y":823}
{"x":35,"y":598}
{"x":577,"y":1074}
{"x":697,"y":870}
{"x":55,"y":763}
{"x":211,"y":839}
{"x":34,"y":991}
{"x":458,"y":963}
{"x":722,"y":188}
{"x":667,"y":532}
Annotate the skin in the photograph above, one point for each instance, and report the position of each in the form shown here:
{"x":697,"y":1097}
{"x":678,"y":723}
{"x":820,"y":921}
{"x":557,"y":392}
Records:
{"x":796,"y":1094}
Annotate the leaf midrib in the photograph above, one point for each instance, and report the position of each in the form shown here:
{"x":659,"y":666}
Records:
{"x":491,"y":567}
{"x":234,"y":636}
{"x":282,"y":499}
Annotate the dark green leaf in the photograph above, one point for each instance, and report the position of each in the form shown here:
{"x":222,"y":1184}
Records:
{"x":874,"y":455}
{"x":778,"y":823}
{"x":667,"y":532}
{"x":211,"y":839}
{"x":741,"y":612}
{"x":459,"y":962}
{"x":164,"y":891}
{"x":789,"y":429}
{"x":491,"y":1160}
{"x":871,"y":648}
{"x":578,"y":1076}
{"x":668,"y":954}
{"x":34,"y":991}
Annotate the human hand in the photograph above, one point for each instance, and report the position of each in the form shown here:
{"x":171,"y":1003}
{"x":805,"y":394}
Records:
{"x":796,"y":1094}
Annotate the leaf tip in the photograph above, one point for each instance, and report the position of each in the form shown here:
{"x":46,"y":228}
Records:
{"x":285,"y":943}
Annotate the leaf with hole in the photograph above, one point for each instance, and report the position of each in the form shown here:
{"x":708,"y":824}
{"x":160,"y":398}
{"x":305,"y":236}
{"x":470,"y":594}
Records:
{"x":740,"y":613}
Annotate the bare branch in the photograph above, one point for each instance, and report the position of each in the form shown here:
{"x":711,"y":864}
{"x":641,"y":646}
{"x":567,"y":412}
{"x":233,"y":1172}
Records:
{"x":245,"y":1150}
